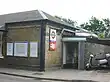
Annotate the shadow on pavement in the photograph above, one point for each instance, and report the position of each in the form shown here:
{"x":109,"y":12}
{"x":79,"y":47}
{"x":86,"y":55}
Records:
{"x":81,"y":81}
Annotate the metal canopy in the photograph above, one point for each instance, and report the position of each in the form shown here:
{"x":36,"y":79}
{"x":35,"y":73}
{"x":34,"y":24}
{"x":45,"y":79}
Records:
{"x":71,"y":39}
{"x":99,"y":41}
{"x":2,"y":28}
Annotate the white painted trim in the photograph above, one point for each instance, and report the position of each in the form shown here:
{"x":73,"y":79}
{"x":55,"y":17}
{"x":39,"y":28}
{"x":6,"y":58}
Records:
{"x":66,"y":30}
{"x":79,"y":33}
{"x":85,"y":34}
{"x":42,"y":14}
{"x":73,"y":39}
{"x":1,"y":26}
{"x":64,"y":53}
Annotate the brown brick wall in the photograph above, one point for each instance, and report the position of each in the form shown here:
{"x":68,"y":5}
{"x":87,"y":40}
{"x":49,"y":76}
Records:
{"x":52,"y":58}
{"x":95,"y":49}
{"x":23,"y":34}
{"x":17,"y":34}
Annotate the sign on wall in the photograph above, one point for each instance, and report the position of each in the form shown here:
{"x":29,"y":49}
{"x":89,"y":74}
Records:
{"x":53,"y":46}
{"x":52,"y":40}
{"x":33,"y":49}
{"x":20,"y":49}
{"x":52,"y":35}
{"x":10,"y":49}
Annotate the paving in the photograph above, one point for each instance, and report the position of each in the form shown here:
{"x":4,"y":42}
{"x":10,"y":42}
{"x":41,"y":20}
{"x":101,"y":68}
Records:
{"x":7,"y":78}
{"x":61,"y":74}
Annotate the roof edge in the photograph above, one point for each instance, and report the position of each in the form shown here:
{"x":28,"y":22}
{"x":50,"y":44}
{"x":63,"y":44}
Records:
{"x":42,"y":14}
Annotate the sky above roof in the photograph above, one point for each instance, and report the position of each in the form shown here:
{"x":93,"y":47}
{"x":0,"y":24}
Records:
{"x":78,"y":10}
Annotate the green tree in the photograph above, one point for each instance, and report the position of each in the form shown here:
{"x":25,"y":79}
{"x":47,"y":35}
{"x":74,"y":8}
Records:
{"x":100,"y":27}
{"x":96,"y":26}
{"x":107,"y":26}
{"x":69,"y":21}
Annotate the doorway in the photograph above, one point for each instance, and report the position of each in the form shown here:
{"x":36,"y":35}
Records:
{"x":70,"y":55}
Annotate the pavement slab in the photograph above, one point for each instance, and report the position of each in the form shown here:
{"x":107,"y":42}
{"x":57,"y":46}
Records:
{"x":61,"y":74}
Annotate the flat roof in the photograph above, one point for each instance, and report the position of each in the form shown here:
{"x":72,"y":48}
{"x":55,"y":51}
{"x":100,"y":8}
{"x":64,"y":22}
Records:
{"x":103,"y":41}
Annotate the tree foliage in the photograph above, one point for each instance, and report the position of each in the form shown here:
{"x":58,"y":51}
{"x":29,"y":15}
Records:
{"x":69,"y":21}
{"x":107,"y":26}
{"x":101,"y":27}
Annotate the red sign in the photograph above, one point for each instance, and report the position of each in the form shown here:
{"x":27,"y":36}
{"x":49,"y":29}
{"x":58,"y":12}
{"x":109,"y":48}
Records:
{"x":52,"y":46}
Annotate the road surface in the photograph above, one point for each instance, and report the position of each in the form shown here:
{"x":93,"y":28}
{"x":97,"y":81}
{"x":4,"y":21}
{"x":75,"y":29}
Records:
{"x":8,"y":78}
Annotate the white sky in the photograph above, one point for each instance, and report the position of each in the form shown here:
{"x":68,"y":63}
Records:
{"x":79,"y":10}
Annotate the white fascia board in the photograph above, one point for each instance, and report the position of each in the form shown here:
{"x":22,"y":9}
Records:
{"x":43,"y":15}
{"x":83,"y":34}
{"x":1,"y":26}
{"x":86,"y":34}
{"x":68,"y":30}
{"x":94,"y":35}
{"x":73,"y":39}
